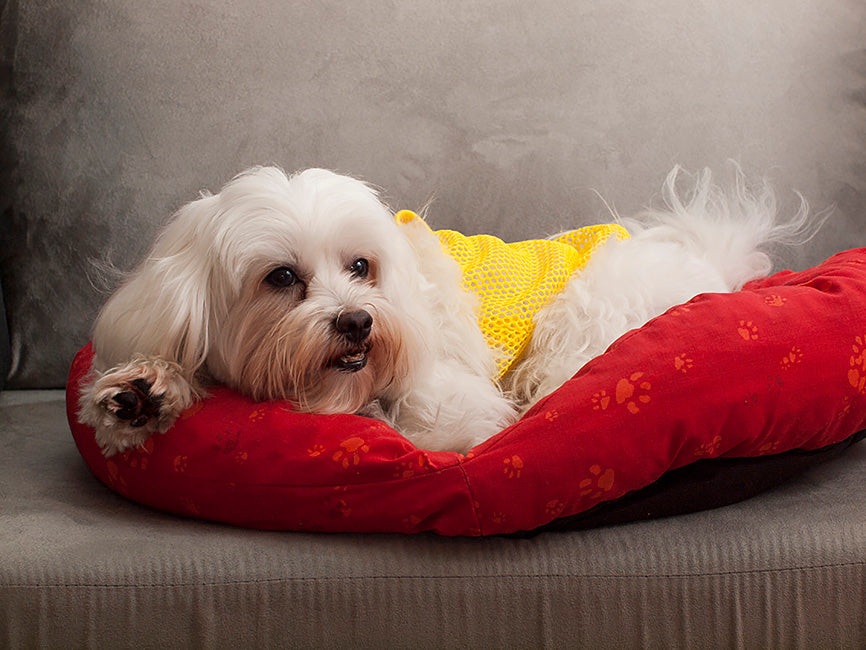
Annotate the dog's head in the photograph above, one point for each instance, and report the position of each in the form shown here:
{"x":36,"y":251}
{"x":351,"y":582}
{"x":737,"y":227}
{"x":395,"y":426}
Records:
{"x":285,"y":287}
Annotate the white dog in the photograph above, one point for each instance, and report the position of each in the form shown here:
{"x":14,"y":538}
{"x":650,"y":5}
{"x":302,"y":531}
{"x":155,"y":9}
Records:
{"x":306,"y":288}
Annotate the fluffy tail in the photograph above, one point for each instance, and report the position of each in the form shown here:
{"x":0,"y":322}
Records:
{"x":733,"y":230}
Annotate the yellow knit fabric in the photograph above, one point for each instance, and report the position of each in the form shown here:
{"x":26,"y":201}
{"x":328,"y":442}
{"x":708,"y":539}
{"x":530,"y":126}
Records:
{"x":514,"y":281}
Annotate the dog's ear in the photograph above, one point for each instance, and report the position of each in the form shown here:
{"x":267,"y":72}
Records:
{"x":163,"y":308}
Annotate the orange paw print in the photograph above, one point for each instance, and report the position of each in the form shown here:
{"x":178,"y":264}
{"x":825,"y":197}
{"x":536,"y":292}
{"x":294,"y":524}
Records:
{"x":748,"y":330}
{"x":769,"y":447}
{"x":683,"y":363}
{"x":351,"y":452}
{"x":407,"y":468}
{"x":844,"y":410}
{"x":791,"y":359}
{"x":181,"y":463}
{"x":257,"y":416}
{"x":857,"y":373}
{"x":775,"y":300}
{"x":513,"y":467}
{"x":341,"y":509}
{"x":115,"y":478}
{"x":315,"y":450}
{"x":600,"y":401}
{"x":626,"y":390}
{"x":241,"y":457}
{"x":709,"y":449}
{"x":554,"y":508}
{"x":499,"y":517}
{"x":550,"y":416}
{"x":227,"y":441}
{"x":136,"y":457}
{"x":597,"y":484}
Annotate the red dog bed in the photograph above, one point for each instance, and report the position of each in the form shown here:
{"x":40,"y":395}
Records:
{"x":759,"y":383}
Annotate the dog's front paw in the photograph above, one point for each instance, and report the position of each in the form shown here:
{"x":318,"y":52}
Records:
{"x":129,"y":403}
{"x":135,"y":405}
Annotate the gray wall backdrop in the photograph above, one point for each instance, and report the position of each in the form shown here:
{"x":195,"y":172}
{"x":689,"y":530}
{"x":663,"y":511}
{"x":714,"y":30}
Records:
{"x":509,"y":114}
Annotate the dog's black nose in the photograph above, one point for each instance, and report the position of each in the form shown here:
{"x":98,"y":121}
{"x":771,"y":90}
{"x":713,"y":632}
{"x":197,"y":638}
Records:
{"x":354,"y":325}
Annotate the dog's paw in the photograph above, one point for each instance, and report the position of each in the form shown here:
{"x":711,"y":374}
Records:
{"x":135,"y":405}
{"x":129,"y":403}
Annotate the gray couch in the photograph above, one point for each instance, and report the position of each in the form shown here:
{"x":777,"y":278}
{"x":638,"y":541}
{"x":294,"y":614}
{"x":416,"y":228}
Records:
{"x":510,"y":116}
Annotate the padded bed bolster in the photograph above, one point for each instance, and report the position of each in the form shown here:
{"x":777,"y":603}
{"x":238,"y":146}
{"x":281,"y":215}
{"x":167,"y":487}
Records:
{"x":776,"y":368}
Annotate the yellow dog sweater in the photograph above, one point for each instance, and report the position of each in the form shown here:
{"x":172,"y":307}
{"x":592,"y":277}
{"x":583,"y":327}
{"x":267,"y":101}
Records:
{"x":514,"y":281}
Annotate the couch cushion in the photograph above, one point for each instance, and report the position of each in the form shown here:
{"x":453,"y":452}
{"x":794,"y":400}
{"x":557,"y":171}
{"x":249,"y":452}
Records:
{"x":776,"y":367}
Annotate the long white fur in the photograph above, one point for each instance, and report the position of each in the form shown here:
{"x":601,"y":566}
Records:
{"x":709,"y":241}
{"x":198,"y":310}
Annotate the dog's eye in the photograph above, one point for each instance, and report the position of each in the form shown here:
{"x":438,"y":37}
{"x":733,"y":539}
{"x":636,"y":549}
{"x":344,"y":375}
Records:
{"x":360,"y":268}
{"x":282,"y":278}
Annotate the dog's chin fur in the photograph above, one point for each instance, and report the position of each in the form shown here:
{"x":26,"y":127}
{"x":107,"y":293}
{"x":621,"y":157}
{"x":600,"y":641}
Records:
{"x":201,"y":308}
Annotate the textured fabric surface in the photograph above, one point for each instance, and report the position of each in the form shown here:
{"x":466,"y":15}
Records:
{"x":81,"y":566}
{"x":119,"y":112}
{"x":769,"y":369}
{"x":514,"y":281}
{"x":5,"y":351}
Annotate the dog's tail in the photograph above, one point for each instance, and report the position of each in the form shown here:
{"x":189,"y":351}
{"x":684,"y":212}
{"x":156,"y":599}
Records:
{"x":734,"y":230}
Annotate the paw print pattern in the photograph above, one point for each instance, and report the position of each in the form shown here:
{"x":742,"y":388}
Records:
{"x":769,"y":447}
{"x":115,"y":478}
{"x":631,"y":393}
{"x":857,"y":373}
{"x":136,"y":457}
{"x":776,"y":383}
{"x":315,"y":451}
{"x":791,"y":359}
{"x":551,"y":416}
{"x":597,"y":483}
{"x":844,"y":409}
{"x":408,"y":468}
{"x":341,"y":509}
{"x":709,"y":449}
{"x":600,"y":401}
{"x":227,"y":441}
{"x":257,"y":415}
{"x":180,"y":463}
{"x":683,"y":363}
{"x":775,"y":300}
{"x":513,"y":467}
{"x":748,"y":330}
{"x":350,"y":452}
{"x":554,"y":508}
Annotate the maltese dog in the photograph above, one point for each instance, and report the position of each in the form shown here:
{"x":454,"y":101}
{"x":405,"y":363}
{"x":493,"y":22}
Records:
{"x":306,"y":288}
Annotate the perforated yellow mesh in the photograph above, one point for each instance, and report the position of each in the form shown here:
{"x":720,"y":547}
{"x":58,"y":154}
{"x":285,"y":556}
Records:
{"x":514,"y":281}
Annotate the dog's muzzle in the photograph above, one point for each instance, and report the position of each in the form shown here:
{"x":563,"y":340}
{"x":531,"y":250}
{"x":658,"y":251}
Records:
{"x":355,"y":328}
